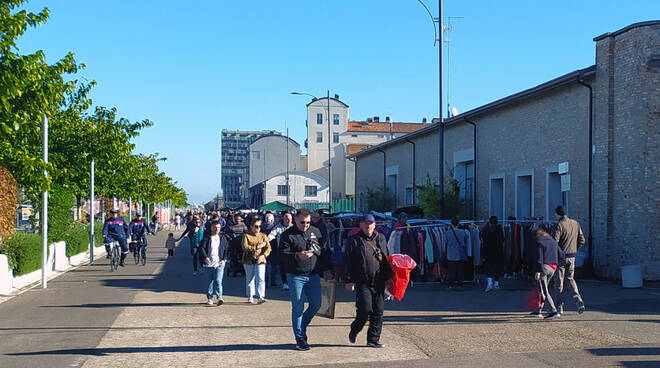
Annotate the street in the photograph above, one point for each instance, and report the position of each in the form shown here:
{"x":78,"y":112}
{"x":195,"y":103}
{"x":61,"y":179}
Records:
{"x":155,"y":316}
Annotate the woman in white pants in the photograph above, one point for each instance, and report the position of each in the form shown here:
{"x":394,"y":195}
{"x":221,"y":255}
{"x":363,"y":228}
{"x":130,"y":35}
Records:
{"x":256,"y":248}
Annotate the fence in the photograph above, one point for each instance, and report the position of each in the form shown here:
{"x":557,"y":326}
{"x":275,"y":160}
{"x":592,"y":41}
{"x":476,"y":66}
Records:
{"x":342,"y":205}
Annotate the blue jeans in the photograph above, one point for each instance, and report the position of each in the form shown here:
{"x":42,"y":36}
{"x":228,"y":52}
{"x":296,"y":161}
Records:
{"x":215,"y":275}
{"x":301,"y":287}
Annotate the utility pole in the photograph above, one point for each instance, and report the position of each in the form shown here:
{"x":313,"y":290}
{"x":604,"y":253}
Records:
{"x":91,"y":213}
{"x":329,"y":160}
{"x":44,"y":210}
{"x":288,"y":190}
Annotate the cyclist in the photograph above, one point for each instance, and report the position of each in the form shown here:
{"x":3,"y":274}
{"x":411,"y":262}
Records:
{"x":137,"y":229}
{"x":115,"y":228}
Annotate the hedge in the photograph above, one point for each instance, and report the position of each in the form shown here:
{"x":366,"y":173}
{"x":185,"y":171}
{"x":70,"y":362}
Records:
{"x":77,"y":238}
{"x":23,"y":250}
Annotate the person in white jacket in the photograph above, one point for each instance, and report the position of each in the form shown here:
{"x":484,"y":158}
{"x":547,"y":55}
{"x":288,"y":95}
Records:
{"x":274,"y":262}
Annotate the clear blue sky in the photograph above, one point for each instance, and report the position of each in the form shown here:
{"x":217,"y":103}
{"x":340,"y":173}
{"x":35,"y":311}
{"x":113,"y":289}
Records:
{"x":195,"y":68}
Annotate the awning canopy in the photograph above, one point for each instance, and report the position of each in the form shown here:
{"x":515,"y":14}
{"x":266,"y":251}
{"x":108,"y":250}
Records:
{"x":275,"y":206}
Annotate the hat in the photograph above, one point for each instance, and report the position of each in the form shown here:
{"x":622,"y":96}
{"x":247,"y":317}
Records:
{"x":368,"y":218}
{"x":114,"y":210}
{"x":403,"y":214}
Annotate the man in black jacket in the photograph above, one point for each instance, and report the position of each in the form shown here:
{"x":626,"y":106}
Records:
{"x":366,"y":254}
{"x":304,"y":257}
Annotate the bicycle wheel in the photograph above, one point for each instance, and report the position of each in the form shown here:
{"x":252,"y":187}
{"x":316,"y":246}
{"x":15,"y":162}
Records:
{"x":144,"y":255}
{"x":115,"y":257}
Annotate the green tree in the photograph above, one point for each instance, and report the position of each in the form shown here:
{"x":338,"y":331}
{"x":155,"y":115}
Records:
{"x":381,"y":200}
{"x":429,"y":198}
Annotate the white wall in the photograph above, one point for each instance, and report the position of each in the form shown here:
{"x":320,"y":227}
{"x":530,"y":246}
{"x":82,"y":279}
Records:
{"x":272,"y":158}
{"x":297,"y":183}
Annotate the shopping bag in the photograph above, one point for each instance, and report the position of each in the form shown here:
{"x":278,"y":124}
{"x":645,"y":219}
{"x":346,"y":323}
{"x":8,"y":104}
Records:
{"x":534,"y":298}
{"x":402,"y":265}
{"x":328,"y":298}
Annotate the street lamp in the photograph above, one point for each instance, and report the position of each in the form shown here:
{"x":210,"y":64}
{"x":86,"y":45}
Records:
{"x":441,"y":132}
{"x":329,"y":157}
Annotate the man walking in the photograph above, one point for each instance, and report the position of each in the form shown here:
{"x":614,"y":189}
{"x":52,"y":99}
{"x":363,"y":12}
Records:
{"x":304,"y":258}
{"x":568,"y":235}
{"x":274,"y":237}
{"x":366,"y":253}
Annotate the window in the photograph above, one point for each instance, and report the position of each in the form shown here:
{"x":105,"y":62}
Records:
{"x":319,"y":137}
{"x":496,"y":196}
{"x":335,"y":137}
{"x":335,"y":119}
{"x":282,"y":190}
{"x":310,"y":190}
{"x":319,"y":118}
{"x":409,"y":195}
{"x":524,"y":194}
{"x":256,"y":155}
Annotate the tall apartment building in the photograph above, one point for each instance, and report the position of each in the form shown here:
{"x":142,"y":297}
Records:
{"x":235,"y":167}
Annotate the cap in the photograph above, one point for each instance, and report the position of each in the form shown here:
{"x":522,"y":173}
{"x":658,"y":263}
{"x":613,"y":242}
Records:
{"x":368,"y":218}
{"x":114,"y":210}
{"x":403,"y":214}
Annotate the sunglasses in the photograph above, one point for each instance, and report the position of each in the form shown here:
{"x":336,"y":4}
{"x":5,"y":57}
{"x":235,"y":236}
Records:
{"x":256,"y":225}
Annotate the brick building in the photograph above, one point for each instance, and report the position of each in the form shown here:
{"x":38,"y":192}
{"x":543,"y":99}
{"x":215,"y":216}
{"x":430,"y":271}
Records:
{"x":538,"y":148}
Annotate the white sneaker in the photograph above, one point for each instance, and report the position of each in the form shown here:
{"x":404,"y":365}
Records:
{"x":489,"y":288}
{"x":209,"y":302}
{"x":250,"y":301}
{"x":262,"y":300}
{"x":285,"y":287}
{"x":194,"y":273}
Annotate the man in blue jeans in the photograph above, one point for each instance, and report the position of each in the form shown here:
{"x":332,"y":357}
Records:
{"x":304,"y":257}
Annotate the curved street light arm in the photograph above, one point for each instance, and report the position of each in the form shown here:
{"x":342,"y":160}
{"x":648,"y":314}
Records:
{"x":433,"y":20}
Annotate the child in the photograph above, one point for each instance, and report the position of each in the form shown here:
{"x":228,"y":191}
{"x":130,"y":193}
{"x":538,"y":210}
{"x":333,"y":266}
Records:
{"x":170,"y":244}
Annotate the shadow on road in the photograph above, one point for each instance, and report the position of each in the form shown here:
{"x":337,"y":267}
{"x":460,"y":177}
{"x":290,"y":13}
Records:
{"x":173,"y":349}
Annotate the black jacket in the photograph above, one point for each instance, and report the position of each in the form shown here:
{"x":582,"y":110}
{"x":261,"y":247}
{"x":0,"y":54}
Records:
{"x":359,"y":263}
{"x":293,"y":241}
{"x":205,"y":247}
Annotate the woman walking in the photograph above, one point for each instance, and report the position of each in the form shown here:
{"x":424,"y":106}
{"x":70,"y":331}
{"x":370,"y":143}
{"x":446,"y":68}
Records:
{"x":548,"y":256}
{"x":195,"y":235}
{"x":213,"y":251}
{"x":256,"y":248}
{"x":493,"y":252}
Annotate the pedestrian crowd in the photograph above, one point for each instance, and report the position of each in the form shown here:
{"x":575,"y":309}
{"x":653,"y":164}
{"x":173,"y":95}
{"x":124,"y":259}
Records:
{"x":292,"y":251}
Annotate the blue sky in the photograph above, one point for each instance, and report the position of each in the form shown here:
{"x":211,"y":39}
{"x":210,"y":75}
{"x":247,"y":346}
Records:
{"x":197,"y":68}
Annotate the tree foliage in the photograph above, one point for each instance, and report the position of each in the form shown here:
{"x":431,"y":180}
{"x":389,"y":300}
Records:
{"x":31,"y":88}
{"x":8,"y":203}
{"x":429,"y":198}
{"x":381,"y":200}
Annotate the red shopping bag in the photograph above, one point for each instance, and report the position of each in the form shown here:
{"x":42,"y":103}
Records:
{"x":402,"y":265}
{"x":534,"y":299}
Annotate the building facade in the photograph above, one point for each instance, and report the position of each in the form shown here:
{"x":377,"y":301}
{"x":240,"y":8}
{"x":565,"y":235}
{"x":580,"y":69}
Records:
{"x":345,"y":136}
{"x":268,"y":157}
{"x":303,"y":187}
{"x":235,"y":164}
{"x":542,"y":147}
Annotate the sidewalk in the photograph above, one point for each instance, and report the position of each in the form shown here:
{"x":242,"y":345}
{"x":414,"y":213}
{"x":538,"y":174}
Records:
{"x":155,"y":316}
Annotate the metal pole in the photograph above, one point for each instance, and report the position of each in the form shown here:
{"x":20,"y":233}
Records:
{"x":130,"y":210}
{"x":44,"y":210}
{"x":91,"y":214}
{"x":287,"y":165}
{"x":329,"y":160}
{"x":441,"y":130}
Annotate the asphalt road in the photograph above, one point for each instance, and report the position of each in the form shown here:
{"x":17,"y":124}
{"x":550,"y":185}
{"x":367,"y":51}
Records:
{"x":154,"y":316}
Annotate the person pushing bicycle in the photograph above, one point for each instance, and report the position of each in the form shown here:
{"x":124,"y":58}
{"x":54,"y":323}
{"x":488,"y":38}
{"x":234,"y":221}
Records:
{"x":137,"y":229}
{"x":115,"y":229}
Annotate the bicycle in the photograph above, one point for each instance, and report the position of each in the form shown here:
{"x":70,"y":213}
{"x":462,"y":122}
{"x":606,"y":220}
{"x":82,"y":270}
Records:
{"x":140,"y":252}
{"x":115,"y":254}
